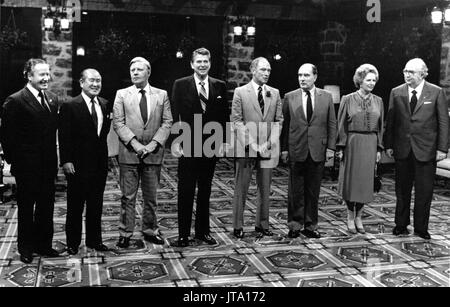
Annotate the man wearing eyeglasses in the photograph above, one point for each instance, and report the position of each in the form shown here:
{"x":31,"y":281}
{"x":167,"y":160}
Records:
{"x":417,"y":138}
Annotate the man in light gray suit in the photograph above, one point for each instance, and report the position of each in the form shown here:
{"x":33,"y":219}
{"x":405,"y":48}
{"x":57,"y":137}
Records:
{"x":309,"y":129}
{"x":257,"y":118}
{"x":142,"y":120}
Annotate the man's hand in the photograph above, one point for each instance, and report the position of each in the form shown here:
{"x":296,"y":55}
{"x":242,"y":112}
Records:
{"x":264,"y":149}
{"x":285,"y":157}
{"x":68,"y":168}
{"x":254,"y":147}
{"x":378,"y":156}
{"x":329,"y":154}
{"x":177,"y":150}
{"x":390,"y":153}
{"x":224,"y":149}
{"x":152,"y":146}
{"x":440,"y":155}
{"x":137,"y":146}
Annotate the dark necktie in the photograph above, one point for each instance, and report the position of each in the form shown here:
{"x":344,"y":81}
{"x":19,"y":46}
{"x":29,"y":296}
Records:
{"x":203,"y":96}
{"x":309,"y":109}
{"x":413,"y":101}
{"x":143,"y":106}
{"x":261,"y":99}
{"x":94,"y":114}
{"x":43,"y":104}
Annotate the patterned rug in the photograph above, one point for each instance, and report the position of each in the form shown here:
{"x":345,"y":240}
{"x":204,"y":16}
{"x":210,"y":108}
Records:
{"x":376,"y":259}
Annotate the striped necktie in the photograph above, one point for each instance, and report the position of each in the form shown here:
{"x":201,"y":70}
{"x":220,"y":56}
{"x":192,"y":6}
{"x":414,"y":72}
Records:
{"x":203,"y":96}
{"x":261,"y":100}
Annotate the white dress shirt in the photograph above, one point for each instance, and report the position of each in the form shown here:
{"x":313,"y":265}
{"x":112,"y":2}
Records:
{"x":305,"y":97}
{"x":147,"y":95}
{"x":197,"y":84}
{"x":35,"y":93}
{"x":98,"y":110}
{"x":418,"y":89}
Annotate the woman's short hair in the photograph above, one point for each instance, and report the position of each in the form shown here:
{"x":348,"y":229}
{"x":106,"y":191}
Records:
{"x":362,"y":71}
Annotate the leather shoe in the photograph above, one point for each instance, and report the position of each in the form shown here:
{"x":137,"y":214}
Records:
{"x":182,"y":242}
{"x":311,"y":233}
{"x":423,"y":234}
{"x":238,"y":233}
{"x":123,"y":242}
{"x":294,"y":233}
{"x":207,"y":239}
{"x":51,"y":253}
{"x":99,"y":247}
{"x":26,"y":258}
{"x":155,"y":239}
{"x":72,"y":250}
{"x":400,"y":230}
{"x":264,"y":232}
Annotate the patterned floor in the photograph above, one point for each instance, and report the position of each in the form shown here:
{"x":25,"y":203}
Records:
{"x":377,"y":259}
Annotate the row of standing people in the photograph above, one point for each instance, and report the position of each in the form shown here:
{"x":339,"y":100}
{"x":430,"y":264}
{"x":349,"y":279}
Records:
{"x":417,"y":136}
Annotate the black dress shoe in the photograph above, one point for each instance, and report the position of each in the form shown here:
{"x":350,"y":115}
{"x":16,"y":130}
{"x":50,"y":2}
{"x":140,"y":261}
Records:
{"x":26,"y":258}
{"x":311,"y":233}
{"x":155,"y":239}
{"x":99,"y":247}
{"x":238,"y":233}
{"x":51,"y":253}
{"x":207,"y":239}
{"x":294,"y":233}
{"x":264,"y":232}
{"x":182,"y":242}
{"x":123,"y":242}
{"x":72,"y":250}
{"x":400,"y":230}
{"x":423,"y":234}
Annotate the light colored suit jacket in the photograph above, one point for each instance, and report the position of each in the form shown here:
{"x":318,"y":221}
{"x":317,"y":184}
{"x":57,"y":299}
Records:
{"x":245,"y":110}
{"x":425,"y":130}
{"x":128,"y":123}
{"x":300,"y":137}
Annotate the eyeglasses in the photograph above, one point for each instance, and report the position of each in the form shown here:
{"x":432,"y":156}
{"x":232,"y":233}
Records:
{"x":410,"y":72}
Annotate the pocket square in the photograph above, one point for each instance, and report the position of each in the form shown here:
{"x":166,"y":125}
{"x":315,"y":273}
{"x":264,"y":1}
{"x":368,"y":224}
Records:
{"x":427,"y":102}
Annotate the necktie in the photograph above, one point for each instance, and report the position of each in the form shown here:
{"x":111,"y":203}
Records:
{"x":94,"y":114}
{"x":413,"y":101}
{"x":203,"y":96}
{"x":43,"y":104}
{"x":261,"y":99}
{"x":309,"y":109}
{"x":143,"y":106}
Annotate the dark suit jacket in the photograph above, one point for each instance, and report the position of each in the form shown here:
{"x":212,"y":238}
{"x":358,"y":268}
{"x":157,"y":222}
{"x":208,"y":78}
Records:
{"x":186,"y":103}
{"x":28,"y":133}
{"x":425,"y":131}
{"x":300,"y":137}
{"x":79,"y":142}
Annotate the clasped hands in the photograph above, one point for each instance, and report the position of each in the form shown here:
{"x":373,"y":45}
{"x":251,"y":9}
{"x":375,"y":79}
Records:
{"x":141,"y":150}
{"x":440,"y":155}
{"x":263,"y":149}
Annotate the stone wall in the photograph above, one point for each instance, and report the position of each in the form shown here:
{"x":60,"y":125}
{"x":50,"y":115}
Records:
{"x":445,"y":61}
{"x":57,"y":51}
{"x":238,"y":53}
{"x":332,"y":42}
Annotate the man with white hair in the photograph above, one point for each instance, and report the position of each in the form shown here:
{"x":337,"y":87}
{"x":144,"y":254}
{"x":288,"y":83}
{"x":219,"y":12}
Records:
{"x":417,"y":138}
{"x":142,"y":120}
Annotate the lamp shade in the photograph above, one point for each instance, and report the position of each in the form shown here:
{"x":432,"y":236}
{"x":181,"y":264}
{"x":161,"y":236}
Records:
{"x":251,"y":31}
{"x":436,"y":15}
{"x":48,"y":23}
{"x":237,"y":30}
{"x":65,"y":24}
{"x":179,"y":54}
{"x":447,"y":14}
{"x":81,"y":51}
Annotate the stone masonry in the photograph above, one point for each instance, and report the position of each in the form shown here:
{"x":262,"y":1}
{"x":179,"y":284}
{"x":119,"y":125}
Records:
{"x":332,"y":42}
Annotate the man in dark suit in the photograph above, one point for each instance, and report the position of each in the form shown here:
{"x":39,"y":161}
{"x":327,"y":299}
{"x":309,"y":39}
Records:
{"x":308,"y":138}
{"x":83,"y":128}
{"x":200,"y":98}
{"x":417,"y":138}
{"x":28,"y":137}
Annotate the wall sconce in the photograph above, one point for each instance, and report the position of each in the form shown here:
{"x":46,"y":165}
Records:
{"x":439,"y":16}
{"x":81,"y":51}
{"x":56,"y":18}
{"x":277,"y":57}
{"x":237,"y":30}
{"x":251,"y":30}
{"x":179,"y":54}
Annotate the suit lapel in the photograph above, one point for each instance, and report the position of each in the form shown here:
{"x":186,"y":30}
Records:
{"x":134,"y":97}
{"x":316,"y":103}
{"x":297,"y":105}
{"x":32,"y":101}
{"x":424,"y":96}
{"x":405,"y":98}
{"x":253,"y":98}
